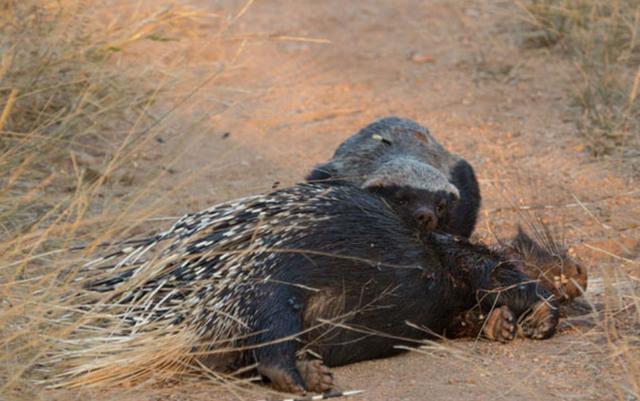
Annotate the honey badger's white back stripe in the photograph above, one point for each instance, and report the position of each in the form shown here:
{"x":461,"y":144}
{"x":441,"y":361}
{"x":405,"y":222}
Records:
{"x":406,"y":171}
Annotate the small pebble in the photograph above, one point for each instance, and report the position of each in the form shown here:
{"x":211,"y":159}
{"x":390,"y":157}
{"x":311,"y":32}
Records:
{"x":421,"y":58}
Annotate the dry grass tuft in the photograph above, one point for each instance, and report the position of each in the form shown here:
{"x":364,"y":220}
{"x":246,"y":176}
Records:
{"x":602,"y":38}
{"x":63,"y":86}
{"x":73,"y":111}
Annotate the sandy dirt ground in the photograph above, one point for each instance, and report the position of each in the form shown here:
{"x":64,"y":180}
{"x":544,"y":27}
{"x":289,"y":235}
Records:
{"x":299,"y":77}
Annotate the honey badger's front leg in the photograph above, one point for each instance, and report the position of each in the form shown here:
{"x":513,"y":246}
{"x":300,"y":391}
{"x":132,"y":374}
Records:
{"x":503,"y":293}
{"x":493,"y":318}
{"x":499,"y":324}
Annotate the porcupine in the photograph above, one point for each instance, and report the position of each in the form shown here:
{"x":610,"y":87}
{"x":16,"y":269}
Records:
{"x":544,"y":260}
{"x":330,"y":269}
{"x":392,"y":145}
{"x":548,"y":261}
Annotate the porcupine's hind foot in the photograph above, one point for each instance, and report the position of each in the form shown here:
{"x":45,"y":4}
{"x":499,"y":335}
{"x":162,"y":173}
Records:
{"x":316,"y":375}
{"x":277,"y":361}
{"x":283,"y":379}
{"x":541,"y":322}
{"x":307,"y":375}
{"x":500,"y":325}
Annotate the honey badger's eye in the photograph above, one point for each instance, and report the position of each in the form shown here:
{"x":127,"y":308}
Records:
{"x":453,"y":200}
{"x":402,"y":198}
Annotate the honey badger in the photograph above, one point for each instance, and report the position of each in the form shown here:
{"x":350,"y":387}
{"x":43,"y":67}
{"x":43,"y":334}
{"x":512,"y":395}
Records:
{"x":395,"y":145}
{"x":326,"y":268}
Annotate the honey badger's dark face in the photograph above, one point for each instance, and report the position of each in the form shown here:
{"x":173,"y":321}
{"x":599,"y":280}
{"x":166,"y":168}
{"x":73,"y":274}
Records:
{"x":428,"y":209}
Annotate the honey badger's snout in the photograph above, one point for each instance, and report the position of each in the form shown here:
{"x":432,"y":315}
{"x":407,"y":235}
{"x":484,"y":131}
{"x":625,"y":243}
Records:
{"x":426,"y":218}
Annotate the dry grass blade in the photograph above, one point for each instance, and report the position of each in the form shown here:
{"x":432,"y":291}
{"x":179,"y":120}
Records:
{"x":601,"y":38}
{"x":73,"y":110}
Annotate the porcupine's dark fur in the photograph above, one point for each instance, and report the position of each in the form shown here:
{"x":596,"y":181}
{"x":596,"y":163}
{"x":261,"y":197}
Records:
{"x":331,"y":269}
{"x":398,"y":141}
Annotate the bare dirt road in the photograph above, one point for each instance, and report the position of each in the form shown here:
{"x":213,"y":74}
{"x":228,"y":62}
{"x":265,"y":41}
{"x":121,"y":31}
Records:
{"x":299,"y":77}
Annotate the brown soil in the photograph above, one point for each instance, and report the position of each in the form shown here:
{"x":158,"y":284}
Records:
{"x":312,"y":73}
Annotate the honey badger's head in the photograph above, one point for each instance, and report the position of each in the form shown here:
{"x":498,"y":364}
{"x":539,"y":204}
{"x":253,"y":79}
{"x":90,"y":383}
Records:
{"x":417,"y":191}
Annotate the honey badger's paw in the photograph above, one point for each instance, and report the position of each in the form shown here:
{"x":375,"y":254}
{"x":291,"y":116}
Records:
{"x":541,"y":322}
{"x":317,"y":377}
{"x":500,"y":325}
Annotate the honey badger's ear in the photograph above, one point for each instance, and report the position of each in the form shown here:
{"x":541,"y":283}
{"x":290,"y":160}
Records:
{"x":454,"y":198}
{"x":373,"y":183}
{"x":325,"y":172}
{"x":454,"y":193}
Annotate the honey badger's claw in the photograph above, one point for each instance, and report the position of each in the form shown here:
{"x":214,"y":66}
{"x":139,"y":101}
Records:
{"x":541,"y":322}
{"x":500,"y":325}
{"x":316,"y":375}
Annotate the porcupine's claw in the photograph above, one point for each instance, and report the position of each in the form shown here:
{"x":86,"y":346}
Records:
{"x":316,"y":375}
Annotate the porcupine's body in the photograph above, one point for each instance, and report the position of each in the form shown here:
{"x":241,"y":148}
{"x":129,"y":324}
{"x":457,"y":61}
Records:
{"x":328,"y":268}
{"x":382,"y":151}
